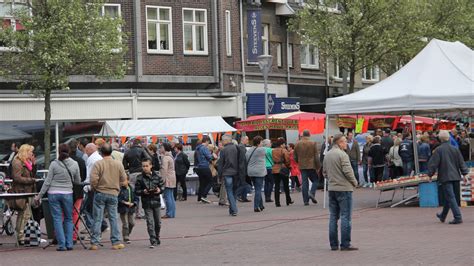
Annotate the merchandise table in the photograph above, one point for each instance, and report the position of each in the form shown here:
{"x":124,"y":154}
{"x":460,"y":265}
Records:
{"x":402,"y":183}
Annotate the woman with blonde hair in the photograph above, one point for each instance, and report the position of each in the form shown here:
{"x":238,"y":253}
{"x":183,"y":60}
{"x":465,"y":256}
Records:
{"x":367,"y":171}
{"x":395,"y":159}
{"x":23,"y":176}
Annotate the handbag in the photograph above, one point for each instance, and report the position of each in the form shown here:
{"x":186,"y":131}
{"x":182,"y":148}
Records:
{"x":77,"y":190}
{"x":32,"y":233}
{"x":283,"y":169}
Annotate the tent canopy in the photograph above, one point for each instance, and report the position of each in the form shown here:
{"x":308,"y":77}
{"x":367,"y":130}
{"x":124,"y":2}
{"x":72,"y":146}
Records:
{"x":439,"y":78}
{"x":300,"y":121}
{"x":165,"y":127}
{"x":12,"y":133}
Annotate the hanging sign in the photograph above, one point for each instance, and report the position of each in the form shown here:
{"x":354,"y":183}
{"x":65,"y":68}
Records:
{"x":278,"y":124}
{"x":254,"y":29}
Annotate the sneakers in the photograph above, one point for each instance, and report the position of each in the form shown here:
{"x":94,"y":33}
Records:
{"x":152,"y":246}
{"x":205,"y":200}
{"x":127,"y":241}
{"x":455,"y":221}
{"x":118,"y":246}
{"x":94,"y":247}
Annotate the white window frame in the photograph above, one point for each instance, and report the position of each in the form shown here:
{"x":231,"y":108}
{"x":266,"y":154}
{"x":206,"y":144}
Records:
{"x":228,"y":33}
{"x":306,"y":64}
{"x":279,"y":54}
{"x":194,"y":24}
{"x":265,"y":39}
{"x":102,"y":10}
{"x":158,"y":22}
{"x":290,"y":55}
{"x":13,"y":26}
{"x":375,"y":74}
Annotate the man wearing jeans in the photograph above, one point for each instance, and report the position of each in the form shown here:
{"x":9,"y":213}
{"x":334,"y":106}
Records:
{"x":106,"y":176}
{"x":228,"y":166}
{"x":307,"y":157}
{"x":337,"y":168}
{"x":448,"y":162}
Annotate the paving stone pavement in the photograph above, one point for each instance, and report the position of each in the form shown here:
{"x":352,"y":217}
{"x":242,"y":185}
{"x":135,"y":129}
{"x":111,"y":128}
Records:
{"x":294,"y":235}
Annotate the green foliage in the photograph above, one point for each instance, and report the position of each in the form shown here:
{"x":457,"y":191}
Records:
{"x":387,"y":33}
{"x":62,"y":38}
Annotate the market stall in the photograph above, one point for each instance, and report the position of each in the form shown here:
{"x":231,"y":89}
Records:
{"x":300,"y":121}
{"x":437,"y":80}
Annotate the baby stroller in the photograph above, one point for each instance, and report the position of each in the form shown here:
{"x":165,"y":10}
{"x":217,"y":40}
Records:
{"x":5,"y":212}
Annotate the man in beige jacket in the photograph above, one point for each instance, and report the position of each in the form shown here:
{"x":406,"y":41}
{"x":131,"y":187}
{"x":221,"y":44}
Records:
{"x":106,"y":176}
{"x":307,"y":157}
{"x":338,"y":170}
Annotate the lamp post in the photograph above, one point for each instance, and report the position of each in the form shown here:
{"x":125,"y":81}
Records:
{"x":265,"y":64}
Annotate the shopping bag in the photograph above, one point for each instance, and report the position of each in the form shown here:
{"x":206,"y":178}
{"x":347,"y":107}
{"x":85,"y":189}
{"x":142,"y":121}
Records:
{"x":32,"y":233}
{"x":163,"y":204}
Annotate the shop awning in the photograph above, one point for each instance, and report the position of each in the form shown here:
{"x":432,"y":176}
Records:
{"x":165,"y":127}
{"x":300,"y":121}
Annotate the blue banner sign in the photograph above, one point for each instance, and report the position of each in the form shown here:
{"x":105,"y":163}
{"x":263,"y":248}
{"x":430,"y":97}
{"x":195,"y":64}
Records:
{"x":256,"y":104}
{"x":254,"y":30}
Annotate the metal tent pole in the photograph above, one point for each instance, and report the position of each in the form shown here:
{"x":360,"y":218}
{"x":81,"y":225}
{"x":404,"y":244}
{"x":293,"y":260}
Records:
{"x":326,"y":147}
{"x":57,"y":140}
{"x":415,"y":144}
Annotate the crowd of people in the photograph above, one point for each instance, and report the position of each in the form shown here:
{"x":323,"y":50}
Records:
{"x":109,"y":180}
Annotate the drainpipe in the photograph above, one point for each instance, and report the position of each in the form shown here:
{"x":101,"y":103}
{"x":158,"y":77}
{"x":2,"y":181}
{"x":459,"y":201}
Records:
{"x":215,"y":47}
{"x":288,"y":56}
{"x":242,"y":57}
{"x":138,"y":41}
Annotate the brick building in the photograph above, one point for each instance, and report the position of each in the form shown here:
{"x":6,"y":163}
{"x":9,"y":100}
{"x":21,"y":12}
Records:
{"x":188,"y":58}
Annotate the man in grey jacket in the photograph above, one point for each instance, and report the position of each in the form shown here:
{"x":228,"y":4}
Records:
{"x":338,"y":170}
{"x":228,"y":169}
{"x":448,"y":162}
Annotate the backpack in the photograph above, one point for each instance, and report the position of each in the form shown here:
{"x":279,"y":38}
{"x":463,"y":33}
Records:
{"x":32,"y":233}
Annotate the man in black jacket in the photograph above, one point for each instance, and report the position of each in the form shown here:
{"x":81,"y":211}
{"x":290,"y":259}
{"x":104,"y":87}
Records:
{"x":228,"y":166}
{"x":448,"y":162}
{"x":132,"y":161}
{"x":149,"y":186}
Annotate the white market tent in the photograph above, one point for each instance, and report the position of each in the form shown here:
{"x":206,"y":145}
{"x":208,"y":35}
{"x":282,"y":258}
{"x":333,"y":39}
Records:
{"x":165,"y":127}
{"x":439,"y":78}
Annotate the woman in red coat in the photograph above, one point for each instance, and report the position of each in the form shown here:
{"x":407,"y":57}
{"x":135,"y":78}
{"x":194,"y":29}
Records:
{"x":295,"y":173}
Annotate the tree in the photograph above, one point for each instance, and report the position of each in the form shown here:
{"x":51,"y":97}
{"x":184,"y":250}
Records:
{"x":61,"y":38}
{"x":359,"y":33}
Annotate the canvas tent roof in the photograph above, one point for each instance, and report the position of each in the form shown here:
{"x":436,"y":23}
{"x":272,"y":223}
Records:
{"x":12,"y":133}
{"x":439,"y":78}
{"x":165,"y":127}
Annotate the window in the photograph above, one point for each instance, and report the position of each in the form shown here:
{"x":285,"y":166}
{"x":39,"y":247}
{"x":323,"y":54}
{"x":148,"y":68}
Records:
{"x":279,"y":55}
{"x":371,"y":74}
{"x":290,"y":55}
{"x":195,"y":31}
{"x":337,"y":70}
{"x":309,"y":56}
{"x":228,"y":33}
{"x":112,"y":11}
{"x":158,"y":25}
{"x":8,"y":21}
{"x":265,"y":38}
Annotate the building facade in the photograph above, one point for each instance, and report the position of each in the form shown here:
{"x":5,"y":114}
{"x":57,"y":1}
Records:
{"x":189,"y":58}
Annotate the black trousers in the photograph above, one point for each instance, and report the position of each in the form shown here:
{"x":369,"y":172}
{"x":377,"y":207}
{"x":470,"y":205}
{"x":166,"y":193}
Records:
{"x":205,"y":178}
{"x":378,"y":173}
{"x":278,"y":179}
{"x":181,"y":179}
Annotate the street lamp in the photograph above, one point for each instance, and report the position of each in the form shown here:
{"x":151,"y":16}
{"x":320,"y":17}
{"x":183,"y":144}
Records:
{"x":265,"y":64}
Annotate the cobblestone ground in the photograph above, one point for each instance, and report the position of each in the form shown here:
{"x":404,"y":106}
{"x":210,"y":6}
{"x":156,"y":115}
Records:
{"x":294,"y":235}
